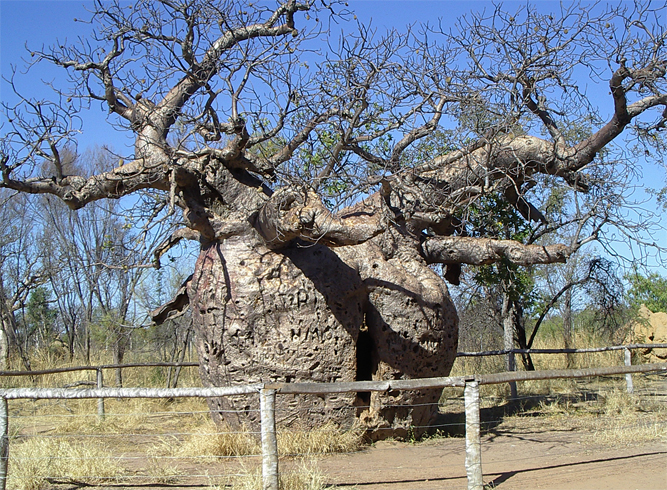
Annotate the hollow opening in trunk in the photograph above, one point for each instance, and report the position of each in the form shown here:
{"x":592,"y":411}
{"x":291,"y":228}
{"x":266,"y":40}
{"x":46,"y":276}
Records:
{"x":365,"y":366}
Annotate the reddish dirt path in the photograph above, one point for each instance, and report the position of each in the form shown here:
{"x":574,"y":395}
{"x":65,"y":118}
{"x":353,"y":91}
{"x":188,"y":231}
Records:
{"x":522,"y":460}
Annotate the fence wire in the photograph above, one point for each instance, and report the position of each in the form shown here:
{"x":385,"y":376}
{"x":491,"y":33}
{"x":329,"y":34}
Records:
{"x":201,"y":452}
{"x":146,"y":443}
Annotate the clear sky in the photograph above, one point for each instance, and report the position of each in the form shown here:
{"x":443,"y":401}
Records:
{"x":38,"y":22}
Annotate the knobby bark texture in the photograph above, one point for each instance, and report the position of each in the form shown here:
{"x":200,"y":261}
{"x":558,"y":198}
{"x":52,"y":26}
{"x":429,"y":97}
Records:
{"x":313,"y":313}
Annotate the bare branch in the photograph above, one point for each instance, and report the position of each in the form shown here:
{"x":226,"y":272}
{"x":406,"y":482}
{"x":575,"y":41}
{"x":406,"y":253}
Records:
{"x":175,"y":307}
{"x":482,"y":251}
{"x":202,"y":72}
{"x":76,"y":191}
{"x":172,"y":241}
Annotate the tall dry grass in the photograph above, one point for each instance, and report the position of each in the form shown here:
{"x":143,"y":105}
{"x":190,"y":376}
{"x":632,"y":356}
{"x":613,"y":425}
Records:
{"x":305,"y":476}
{"x":209,"y":443}
{"x":629,"y":419}
{"x":35,"y":462}
{"x":143,"y":377}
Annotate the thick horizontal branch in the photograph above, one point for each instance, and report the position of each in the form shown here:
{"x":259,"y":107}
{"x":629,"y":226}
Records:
{"x":78,"y":191}
{"x":491,"y":159}
{"x":482,"y":251}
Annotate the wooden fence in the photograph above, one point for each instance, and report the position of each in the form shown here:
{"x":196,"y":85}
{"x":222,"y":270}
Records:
{"x":268,"y":392}
{"x":100,"y":368}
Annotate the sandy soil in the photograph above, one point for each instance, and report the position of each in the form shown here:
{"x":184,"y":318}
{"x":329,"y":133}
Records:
{"x":568,"y":450}
{"x":518,"y":460}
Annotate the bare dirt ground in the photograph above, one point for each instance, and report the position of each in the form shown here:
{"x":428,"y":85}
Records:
{"x":521,"y":459}
{"x":524,"y":453}
{"x":567,"y":442}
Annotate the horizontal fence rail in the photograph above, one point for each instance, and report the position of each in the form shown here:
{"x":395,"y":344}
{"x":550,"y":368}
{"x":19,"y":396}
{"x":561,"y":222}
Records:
{"x":458,"y":354}
{"x":268,"y":392}
{"x":560,"y":351}
{"x":97,"y":368}
{"x":68,"y":394}
{"x":488,"y":379}
{"x":325,"y":388}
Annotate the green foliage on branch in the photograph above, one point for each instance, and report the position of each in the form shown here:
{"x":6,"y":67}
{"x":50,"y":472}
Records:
{"x":649,"y":290}
{"x":40,"y":315}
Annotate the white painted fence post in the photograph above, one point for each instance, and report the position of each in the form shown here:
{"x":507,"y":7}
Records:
{"x":473,"y":437}
{"x":4,"y":442}
{"x":100,"y":401}
{"x":628,"y":376}
{"x":267,"y":405}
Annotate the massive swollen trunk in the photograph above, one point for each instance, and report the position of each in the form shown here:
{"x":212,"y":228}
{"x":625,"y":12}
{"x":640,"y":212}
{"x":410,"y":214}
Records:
{"x":313,"y":313}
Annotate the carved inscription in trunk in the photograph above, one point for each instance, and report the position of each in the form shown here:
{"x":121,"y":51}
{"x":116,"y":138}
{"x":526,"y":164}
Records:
{"x":311,"y":313}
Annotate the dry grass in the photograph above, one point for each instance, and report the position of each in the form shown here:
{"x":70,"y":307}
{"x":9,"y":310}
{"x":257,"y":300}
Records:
{"x":629,"y":419}
{"x":304,"y":476}
{"x":607,"y":417}
{"x":496,"y":364}
{"x":321,"y":440}
{"x":600,"y":408}
{"x":159,"y":470}
{"x":629,"y":431}
{"x":33,"y":462}
{"x":141,"y":377}
{"x":208,"y":443}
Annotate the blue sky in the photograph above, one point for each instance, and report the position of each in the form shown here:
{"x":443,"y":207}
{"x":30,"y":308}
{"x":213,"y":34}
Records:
{"x":38,"y":22}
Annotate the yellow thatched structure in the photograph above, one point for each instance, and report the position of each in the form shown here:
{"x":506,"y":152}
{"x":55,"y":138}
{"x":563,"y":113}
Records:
{"x":649,"y":328}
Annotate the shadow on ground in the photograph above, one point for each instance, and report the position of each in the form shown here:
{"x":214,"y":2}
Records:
{"x":451,"y":420}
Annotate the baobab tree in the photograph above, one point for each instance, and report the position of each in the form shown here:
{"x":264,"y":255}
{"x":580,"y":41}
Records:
{"x":325,"y":178}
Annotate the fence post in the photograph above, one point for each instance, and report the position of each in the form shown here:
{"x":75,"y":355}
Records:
{"x":628,"y":376}
{"x":267,"y":405}
{"x":511,"y":366}
{"x":100,"y":401}
{"x":473,"y":437}
{"x":4,"y":442}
